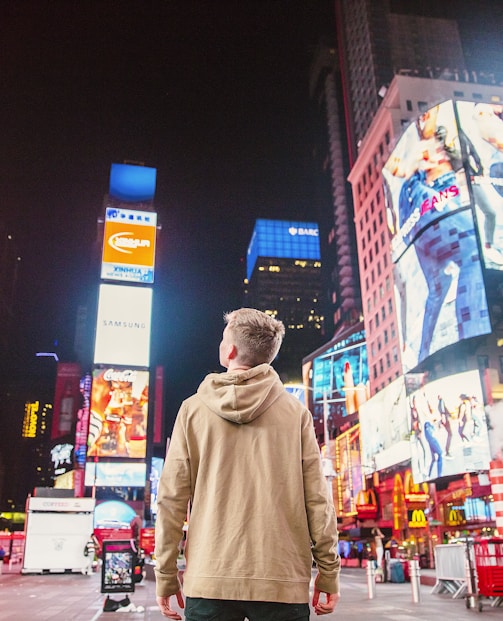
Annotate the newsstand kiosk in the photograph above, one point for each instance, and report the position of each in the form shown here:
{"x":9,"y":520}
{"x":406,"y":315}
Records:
{"x":57,"y":530}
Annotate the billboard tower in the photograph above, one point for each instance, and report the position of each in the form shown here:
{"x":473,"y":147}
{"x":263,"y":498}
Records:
{"x":117,"y":452}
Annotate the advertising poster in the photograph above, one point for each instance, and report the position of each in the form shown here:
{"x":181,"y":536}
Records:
{"x":340,"y":374}
{"x":481,"y":134}
{"x":439,"y":285}
{"x":129,"y":245}
{"x":119,"y":413}
{"x":439,"y":290}
{"x":67,"y":399}
{"x":448,"y":427}
{"x":349,"y":479}
{"x":425,"y":176}
{"x":123,"y":325}
{"x":115,"y":474}
{"x":118,"y":566}
{"x":384,"y":433}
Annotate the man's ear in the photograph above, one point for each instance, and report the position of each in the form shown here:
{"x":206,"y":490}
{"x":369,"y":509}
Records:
{"x":233,"y":352}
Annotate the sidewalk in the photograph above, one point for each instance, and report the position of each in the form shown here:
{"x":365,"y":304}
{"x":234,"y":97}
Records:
{"x":74,"y":597}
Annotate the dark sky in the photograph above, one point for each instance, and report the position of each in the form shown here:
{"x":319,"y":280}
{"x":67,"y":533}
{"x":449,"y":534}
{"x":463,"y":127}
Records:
{"x":214,"y":94}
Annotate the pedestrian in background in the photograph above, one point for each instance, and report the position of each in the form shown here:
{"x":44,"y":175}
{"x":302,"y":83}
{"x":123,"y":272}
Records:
{"x":244,"y":454}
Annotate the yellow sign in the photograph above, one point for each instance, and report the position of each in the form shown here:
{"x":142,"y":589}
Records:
{"x":418,"y":519}
{"x":456,"y":517}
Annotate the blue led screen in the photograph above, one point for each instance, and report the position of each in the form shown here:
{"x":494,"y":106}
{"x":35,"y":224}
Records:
{"x":284,"y":239}
{"x":132,"y":184}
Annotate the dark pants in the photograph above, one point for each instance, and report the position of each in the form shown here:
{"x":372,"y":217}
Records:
{"x":199,"y":609}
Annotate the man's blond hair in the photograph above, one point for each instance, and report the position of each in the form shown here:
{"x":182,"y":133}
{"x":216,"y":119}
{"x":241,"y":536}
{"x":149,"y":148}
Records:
{"x":257,"y":336}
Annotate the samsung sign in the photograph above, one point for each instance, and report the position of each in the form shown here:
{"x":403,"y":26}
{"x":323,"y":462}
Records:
{"x":123,"y":326}
{"x":283,"y":239}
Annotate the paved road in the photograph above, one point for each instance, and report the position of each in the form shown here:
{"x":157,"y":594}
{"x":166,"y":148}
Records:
{"x":73,"y":597}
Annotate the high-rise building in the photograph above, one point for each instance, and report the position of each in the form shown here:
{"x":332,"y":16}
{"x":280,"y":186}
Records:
{"x":284,"y":280}
{"x":375,"y":43}
{"x":347,"y":82}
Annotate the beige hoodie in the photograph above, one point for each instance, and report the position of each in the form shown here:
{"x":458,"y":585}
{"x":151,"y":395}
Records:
{"x":244,"y":452}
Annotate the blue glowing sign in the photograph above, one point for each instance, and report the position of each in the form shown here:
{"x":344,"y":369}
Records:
{"x":284,"y":239}
{"x":132,"y":184}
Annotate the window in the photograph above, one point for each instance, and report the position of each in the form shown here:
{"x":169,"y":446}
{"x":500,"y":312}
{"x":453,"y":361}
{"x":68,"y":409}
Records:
{"x":388,"y":361}
{"x":376,"y":318}
{"x":383,"y":313}
{"x":409,"y":105}
{"x":482,"y":362}
{"x":385,"y":260}
{"x":459,"y":94}
{"x":385,"y":337}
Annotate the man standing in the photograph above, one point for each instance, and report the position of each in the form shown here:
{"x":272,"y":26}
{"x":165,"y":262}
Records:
{"x":244,"y":453}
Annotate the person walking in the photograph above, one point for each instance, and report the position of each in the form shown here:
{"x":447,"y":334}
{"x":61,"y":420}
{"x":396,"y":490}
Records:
{"x":244,"y":454}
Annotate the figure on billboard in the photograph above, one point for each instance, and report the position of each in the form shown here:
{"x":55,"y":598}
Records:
{"x":488,"y":119}
{"x":416,"y":427}
{"x":445,"y":420}
{"x":464,"y":416}
{"x":430,"y":216}
{"x":119,"y":408}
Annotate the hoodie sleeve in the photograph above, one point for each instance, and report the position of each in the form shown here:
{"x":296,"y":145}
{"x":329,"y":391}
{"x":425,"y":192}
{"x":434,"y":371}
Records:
{"x":320,"y":511}
{"x":173,"y":496}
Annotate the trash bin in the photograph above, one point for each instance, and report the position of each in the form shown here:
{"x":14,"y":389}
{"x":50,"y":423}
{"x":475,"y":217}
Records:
{"x":396,"y":571}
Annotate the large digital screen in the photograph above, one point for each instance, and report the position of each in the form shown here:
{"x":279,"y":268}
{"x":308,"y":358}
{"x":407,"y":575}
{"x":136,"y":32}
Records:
{"x":340,"y":375}
{"x":349,"y":473}
{"x":129,"y":245}
{"x":448,"y":427}
{"x":481,"y":133}
{"x":115,"y":474}
{"x":283,"y":239}
{"x":439,"y":286}
{"x":384,"y":432}
{"x":424,"y":176}
{"x":119,"y":413}
{"x":123,"y":325}
{"x":131,"y":183}
{"x":439,"y":289}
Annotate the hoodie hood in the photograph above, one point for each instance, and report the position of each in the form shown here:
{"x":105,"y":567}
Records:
{"x":241,"y":397}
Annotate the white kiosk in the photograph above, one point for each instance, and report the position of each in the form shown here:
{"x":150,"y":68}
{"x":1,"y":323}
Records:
{"x":57,"y":530}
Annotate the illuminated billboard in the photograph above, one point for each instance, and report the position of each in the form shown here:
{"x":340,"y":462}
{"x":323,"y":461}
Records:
{"x":67,"y":399}
{"x":339,"y":372}
{"x":384,"y":430}
{"x":448,"y":427}
{"x":123,"y":326}
{"x":283,"y":239}
{"x":349,"y":473}
{"x":423,"y":176}
{"x":119,"y":413}
{"x":129,"y":245}
{"x":115,"y":474}
{"x":131,"y":183}
{"x":439,"y":286}
{"x":481,"y":133}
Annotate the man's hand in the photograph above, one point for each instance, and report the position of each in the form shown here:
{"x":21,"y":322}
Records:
{"x":324,"y":608}
{"x":166,"y":611}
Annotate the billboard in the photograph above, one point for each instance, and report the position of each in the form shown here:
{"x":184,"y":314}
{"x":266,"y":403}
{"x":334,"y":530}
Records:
{"x":349,"y":473}
{"x":129,"y":245}
{"x":115,"y":474}
{"x":123,"y":325}
{"x":119,"y":413}
{"x":384,"y":428}
{"x":283,"y":239}
{"x":131,"y":183}
{"x":340,"y":373}
{"x":67,"y":399}
{"x":448,"y":427}
{"x":439,"y":284}
{"x":481,"y":133}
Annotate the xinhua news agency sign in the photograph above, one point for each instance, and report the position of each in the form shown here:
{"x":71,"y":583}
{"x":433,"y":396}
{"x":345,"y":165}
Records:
{"x":129,"y":245}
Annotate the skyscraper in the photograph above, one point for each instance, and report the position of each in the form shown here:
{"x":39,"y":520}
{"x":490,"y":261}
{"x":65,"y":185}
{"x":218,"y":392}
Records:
{"x":284,"y":280}
{"x":347,"y":82}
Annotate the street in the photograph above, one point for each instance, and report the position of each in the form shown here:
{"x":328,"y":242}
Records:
{"x":65,"y":597}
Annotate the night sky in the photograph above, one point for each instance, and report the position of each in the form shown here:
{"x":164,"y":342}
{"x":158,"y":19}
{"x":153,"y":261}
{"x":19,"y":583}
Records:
{"x":214,"y":94}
